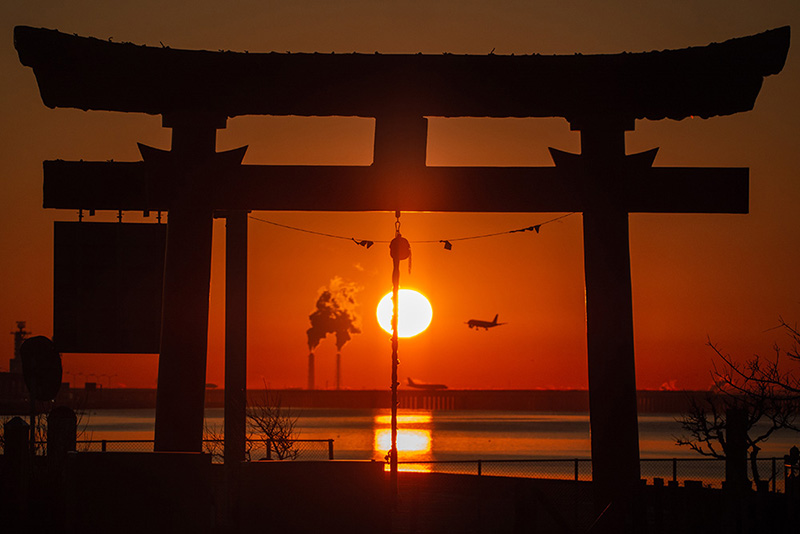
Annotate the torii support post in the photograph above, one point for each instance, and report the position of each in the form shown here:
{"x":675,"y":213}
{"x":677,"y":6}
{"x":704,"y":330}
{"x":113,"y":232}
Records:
{"x":180,"y":397}
{"x":235,"y":336}
{"x":609,"y":325}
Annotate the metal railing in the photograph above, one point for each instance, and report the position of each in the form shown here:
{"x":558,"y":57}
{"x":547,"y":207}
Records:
{"x":257,"y":449}
{"x":296,"y":449}
{"x":707,"y":472}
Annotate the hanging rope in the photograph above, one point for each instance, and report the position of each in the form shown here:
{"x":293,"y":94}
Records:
{"x":534,"y":228}
{"x":399,"y":250}
{"x":296,"y":229}
{"x":448,"y":243}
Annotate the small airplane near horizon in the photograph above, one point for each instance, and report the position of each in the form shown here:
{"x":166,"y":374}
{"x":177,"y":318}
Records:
{"x":486,"y":325}
{"x":424,"y":385}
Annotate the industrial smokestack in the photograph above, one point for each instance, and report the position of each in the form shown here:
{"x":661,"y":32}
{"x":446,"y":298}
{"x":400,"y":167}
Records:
{"x":338,"y":369}
{"x":334,"y":314}
{"x":310,"y":370}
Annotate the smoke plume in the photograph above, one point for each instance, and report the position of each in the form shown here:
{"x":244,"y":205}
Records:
{"x":334,"y":314}
{"x":670,"y":385}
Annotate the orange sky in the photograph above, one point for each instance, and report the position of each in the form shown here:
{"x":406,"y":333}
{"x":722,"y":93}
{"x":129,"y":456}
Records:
{"x":724,"y":277}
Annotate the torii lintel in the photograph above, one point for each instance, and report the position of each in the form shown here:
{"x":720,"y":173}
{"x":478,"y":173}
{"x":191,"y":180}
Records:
{"x":124,"y":186}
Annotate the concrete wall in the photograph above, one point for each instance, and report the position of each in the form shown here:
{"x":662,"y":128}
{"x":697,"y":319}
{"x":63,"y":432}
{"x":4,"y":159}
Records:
{"x":303,"y":497}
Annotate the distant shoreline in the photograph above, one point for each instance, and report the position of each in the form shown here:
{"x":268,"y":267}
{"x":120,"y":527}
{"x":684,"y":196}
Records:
{"x":648,"y":401}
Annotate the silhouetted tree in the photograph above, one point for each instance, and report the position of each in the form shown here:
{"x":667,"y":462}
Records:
{"x":767,"y":390}
{"x":268,"y":420}
{"x":213,"y":442}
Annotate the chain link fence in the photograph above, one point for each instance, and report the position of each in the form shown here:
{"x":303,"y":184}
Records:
{"x":710,"y":472}
{"x":702,"y":472}
{"x":705,"y":472}
{"x":114,"y":445}
{"x":257,"y":449}
{"x":300,"y":449}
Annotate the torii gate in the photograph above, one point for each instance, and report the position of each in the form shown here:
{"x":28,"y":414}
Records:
{"x":600,"y":96}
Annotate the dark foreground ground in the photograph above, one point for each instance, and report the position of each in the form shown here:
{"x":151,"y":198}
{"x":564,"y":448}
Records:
{"x":442,"y":503}
{"x":175,"y":492}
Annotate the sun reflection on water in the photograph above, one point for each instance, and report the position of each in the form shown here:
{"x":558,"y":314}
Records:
{"x":413,"y":438}
{"x":411,"y":468}
{"x":404,"y":419}
{"x":413,"y":441}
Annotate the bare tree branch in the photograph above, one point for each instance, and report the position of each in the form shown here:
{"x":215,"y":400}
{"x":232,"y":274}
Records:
{"x":766,"y":391}
{"x":270,"y":421}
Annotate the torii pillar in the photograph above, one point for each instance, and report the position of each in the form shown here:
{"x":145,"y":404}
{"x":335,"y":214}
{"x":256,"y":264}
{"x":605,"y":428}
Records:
{"x":235,"y":336}
{"x":187,"y":277}
{"x":609,"y":316}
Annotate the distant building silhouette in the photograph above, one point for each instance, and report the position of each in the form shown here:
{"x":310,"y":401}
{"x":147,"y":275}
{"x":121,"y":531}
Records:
{"x":20,"y":335}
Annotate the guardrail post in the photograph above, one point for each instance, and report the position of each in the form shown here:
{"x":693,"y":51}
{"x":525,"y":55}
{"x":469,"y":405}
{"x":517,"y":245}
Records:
{"x":103,"y":445}
{"x":576,"y":469}
{"x":330,"y":449}
{"x":480,"y":468}
{"x":675,"y":470}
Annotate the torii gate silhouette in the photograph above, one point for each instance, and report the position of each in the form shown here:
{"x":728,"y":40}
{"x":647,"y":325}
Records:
{"x":600,"y":96}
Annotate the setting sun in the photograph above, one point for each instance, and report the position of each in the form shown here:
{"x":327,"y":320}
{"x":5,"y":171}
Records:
{"x":415,"y":313}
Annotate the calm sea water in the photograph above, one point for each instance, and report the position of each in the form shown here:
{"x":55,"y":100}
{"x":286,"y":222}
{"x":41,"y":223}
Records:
{"x":440,"y":435}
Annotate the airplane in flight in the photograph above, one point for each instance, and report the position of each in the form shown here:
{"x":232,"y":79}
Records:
{"x":424,"y":385}
{"x":486,"y":325}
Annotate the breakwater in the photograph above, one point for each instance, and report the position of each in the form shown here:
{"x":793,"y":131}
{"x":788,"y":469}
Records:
{"x":469,"y":399}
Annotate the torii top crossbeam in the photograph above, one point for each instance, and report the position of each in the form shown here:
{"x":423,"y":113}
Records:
{"x":92,"y":74}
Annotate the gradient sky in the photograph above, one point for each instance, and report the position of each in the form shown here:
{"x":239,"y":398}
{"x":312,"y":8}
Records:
{"x":728,"y":278}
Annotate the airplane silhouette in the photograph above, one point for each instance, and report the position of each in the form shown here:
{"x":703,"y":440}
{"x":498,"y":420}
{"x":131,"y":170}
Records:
{"x":423,"y":385}
{"x":486,"y":325}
